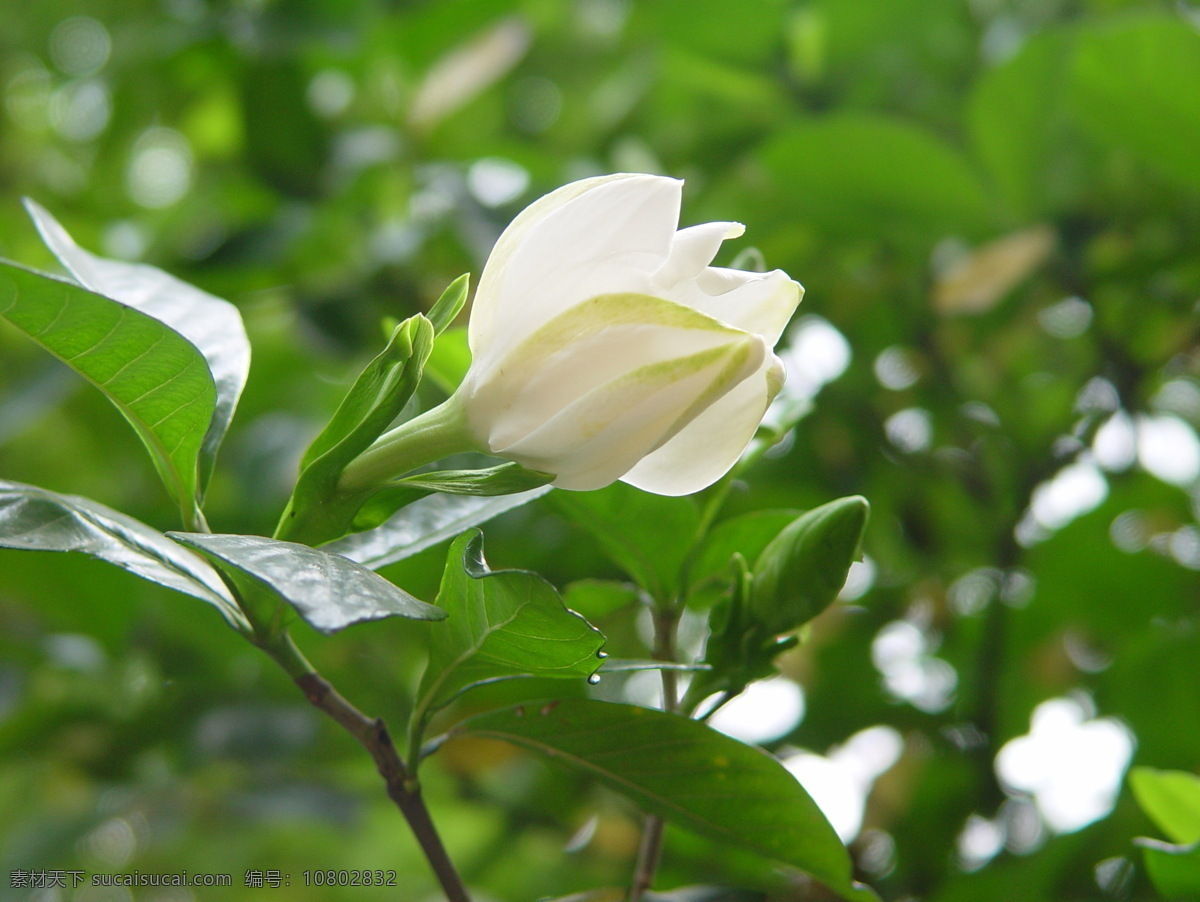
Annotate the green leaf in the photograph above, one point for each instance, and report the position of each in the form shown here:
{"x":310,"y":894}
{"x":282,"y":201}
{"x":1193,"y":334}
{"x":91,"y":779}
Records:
{"x":329,"y":591}
{"x":211,"y":324}
{"x":647,"y":536}
{"x":317,"y":512}
{"x":1018,"y":124}
{"x":686,"y":773}
{"x":425,"y":523}
{"x":505,"y":479}
{"x":450,"y":304}
{"x":155,"y":376}
{"x":1174,"y":869}
{"x":855,"y":173}
{"x":35,"y":519}
{"x":1170,"y":798}
{"x":804,"y":568}
{"x":1136,"y":85}
{"x":501,"y":623}
{"x":596,"y":598}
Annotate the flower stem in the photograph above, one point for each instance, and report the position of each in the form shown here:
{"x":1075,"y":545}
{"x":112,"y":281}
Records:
{"x":430,"y":436}
{"x":666,"y":620}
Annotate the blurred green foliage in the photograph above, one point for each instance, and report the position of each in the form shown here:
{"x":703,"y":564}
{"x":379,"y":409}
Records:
{"x":996,"y":202}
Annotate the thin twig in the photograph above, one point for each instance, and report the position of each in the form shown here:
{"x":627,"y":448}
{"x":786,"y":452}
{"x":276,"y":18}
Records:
{"x":402,"y":789}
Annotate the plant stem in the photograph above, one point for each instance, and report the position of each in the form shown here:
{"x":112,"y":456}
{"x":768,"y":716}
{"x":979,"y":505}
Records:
{"x":372,"y":734}
{"x":666,"y":620}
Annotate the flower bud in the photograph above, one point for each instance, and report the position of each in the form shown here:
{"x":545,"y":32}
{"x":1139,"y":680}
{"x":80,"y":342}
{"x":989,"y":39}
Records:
{"x":802,"y":570}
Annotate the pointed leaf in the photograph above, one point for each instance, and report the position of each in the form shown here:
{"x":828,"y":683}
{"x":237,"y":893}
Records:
{"x":35,"y":519}
{"x":1170,"y":798}
{"x":450,"y":304}
{"x":505,"y":479}
{"x":687,"y":773}
{"x":647,"y":536}
{"x":214,"y":326}
{"x":423,"y":524}
{"x":328,"y":590}
{"x":501,"y":623}
{"x":154,"y":375}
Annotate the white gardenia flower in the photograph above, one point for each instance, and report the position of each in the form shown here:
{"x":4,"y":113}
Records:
{"x":605,"y":347}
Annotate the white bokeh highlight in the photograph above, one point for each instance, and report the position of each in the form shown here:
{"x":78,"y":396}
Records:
{"x":1072,"y":766}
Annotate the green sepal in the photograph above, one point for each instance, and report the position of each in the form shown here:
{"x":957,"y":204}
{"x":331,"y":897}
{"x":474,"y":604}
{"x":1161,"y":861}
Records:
{"x":802,"y":570}
{"x":318,"y":511}
{"x":450,"y":304}
{"x":504,"y":479}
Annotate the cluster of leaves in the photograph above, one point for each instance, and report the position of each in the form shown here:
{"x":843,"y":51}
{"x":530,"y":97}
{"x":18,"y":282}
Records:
{"x":942,"y":177}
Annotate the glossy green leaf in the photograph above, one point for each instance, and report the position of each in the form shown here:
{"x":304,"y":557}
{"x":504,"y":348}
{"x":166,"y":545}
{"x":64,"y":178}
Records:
{"x":1170,"y":798}
{"x":1174,"y":869}
{"x":35,"y":519}
{"x":317,"y":511}
{"x":687,"y":773}
{"x":1136,"y":85}
{"x":211,"y":324}
{"x":155,"y":376}
{"x":329,"y":591}
{"x":504,"y":479}
{"x":499,"y":624}
{"x":426,"y":523}
{"x":450,"y":304}
{"x":855,"y":173}
{"x":647,"y":536}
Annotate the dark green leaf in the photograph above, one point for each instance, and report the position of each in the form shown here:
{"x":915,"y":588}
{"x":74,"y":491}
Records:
{"x":1174,"y":870}
{"x":34,"y":519}
{"x":501,"y":623}
{"x":687,"y":773}
{"x":154,"y":376}
{"x":505,"y":479}
{"x":1171,"y":798}
{"x":213,"y":325}
{"x":317,"y":512}
{"x":647,"y":536}
{"x":1136,"y":85}
{"x":450,"y":304}
{"x":425,"y":523}
{"x":328,"y":590}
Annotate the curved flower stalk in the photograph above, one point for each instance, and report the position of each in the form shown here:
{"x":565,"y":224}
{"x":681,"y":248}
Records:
{"x":605,"y":347}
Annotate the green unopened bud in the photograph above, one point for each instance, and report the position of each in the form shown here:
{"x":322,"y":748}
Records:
{"x":803,"y":569}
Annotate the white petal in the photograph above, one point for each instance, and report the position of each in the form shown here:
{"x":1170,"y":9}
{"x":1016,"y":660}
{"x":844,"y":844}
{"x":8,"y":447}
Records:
{"x":600,"y":436}
{"x":704,"y":450}
{"x":604,"y":237}
{"x":692,"y":250}
{"x":753,"y":302}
